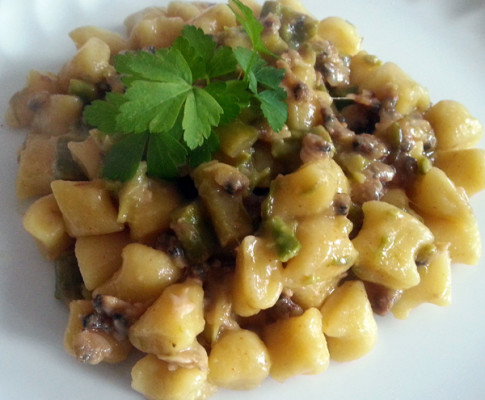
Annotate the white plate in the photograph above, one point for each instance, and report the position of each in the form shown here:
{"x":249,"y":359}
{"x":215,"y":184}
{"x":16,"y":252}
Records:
{"x":438,"y":353}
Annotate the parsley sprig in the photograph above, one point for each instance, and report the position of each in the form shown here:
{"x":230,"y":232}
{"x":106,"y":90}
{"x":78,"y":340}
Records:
{"x":176,"y":96}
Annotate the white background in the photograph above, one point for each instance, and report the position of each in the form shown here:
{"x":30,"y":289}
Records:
{"x":438,"y":353}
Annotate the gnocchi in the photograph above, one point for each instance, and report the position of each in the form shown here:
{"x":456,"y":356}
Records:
{"x":262,"y":256}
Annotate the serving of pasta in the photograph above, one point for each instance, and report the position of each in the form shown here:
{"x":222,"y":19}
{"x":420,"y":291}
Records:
{"x":237,"y":192}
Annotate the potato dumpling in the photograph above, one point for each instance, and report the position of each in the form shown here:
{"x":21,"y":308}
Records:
{"x":434,"y":287}
{"x":326,"y":251}
{"x":307,"y":191}
{"x":172,"y":322}
{"x":91,"y":346}
{"x":465,"y":167}
{"x":238,"y":360}
{"x":453,"y":125}
{"x":446,"y":210}
{"x":146,"y":205}
{"x":297,"y":345}
{"x":77,"y":310}
{"x":90,"y":63}
{"x":43,"y":220}
{"x":398,"y":197}
{"x":304,"y":113}
{"x":218,"y":312}
{"x":87,"y":207}
{"x":159,"y":380}
{"x":258,"y":279}
{"x":158,"y":32}
{"x":361,"y":65}
{"x":36,"y":166}
{"x":215,"y":19}
{"x":341,"y":33}
{"x":99,"y":256}
{"x":88,"y":155}
{"x":39,"y":85}
{"x":348,"y":322}
{"x":388,"y":80}
{"x":313,"y":294}
{"x":82,"y":34}
{"x":147,"y":13}
{"x":388,"y":244}
{"x":182,"y":9}
{"x":58,"y":115}
{"x":143,"y":275}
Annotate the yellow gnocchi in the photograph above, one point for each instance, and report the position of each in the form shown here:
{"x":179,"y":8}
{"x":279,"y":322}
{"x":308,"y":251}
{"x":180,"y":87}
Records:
{"x":234,"y":190}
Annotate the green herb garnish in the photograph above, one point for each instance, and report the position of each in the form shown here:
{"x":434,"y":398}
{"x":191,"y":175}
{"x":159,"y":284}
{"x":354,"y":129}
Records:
{"x":175,"y":97}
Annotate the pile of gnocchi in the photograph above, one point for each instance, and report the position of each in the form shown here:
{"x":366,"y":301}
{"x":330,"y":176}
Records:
{"x":275,"y":256}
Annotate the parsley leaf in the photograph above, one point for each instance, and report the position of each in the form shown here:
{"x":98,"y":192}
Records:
{"x":165,"y":154}
{"x":249,"y":62}
{"x":102,"y":114}
{"x":223,"y":63}
{"x":270,"y":77}
{"x":258,"y":75}
{"x":124,"y":157}
{"x":165,"y":65}
{"x":203,"y":153}
{"x":152,"y":106}
{"x":202,"y":112}
{"x":205,"y":59}
{"x":232,"y":96}
{"x":252,"y":26}
{"x":175,"y":97}
{"x":274,"y":108}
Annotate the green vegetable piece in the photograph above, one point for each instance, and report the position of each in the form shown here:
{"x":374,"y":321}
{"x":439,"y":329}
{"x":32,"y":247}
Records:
{"x":354,"y":164}
{"x":296,"y":28}
{"x":221,"y":188}
{"x":424,"y":165}
{"x":236,"y":138}
{"x":86,"y":91}
{"x":286,"y":243}
{"x":393,"y":135}
{"x":192,"y":227}
{"x":271,"y":7}
{"x":69,"y":282}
